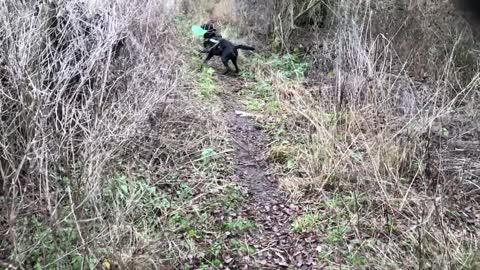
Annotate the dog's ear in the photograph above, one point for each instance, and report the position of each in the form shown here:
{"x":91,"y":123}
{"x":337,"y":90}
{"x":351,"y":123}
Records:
{"x":207,"y":26}
{"x":211,"y":27}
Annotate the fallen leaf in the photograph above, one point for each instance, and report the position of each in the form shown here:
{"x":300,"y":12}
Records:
{"x":262,"y":262}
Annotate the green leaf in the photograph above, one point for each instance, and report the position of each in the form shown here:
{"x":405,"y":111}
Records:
{"x":445,"y":132}
{"x":290,"y":164}
{"x":151,"y":189}
{"x":124,"y":189}
{"x":357,"y":156}
{"x":77,"y":262}
{"x":37,"y":266}
{"x":216,"y":263}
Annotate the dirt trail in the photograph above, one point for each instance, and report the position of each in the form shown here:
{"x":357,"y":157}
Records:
{"x":276,"y":245}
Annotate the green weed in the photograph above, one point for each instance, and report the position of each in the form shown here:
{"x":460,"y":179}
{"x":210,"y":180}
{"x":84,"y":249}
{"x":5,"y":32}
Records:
{"x":215,"y":249}
{"x":179,"y":223}
{"x":208,"y":85}
{"x":279,"y":134}
{"x":194,"y":233}
{"x":239,"y":226}
{"x":336,"y":235}
{"x":226,"y":198}
{"x":292,"y":66}
{"x":58,"y":248}
{"x":274,"y":106}
{"x":247,"y":74}
{"x":242,"y":247}
{"x":309,"y":222}
{"x":207,"y":157}
{"x":142,"y":199}
{"x":355,"y":259}
{"x":216,"y":263}
{"x":335,"y":202}
{"x":445,"y":132}
{"x":326,"y":256}
{"x":357,"y":156}
{"x":255,"y":104}
{"x":263,"y":89}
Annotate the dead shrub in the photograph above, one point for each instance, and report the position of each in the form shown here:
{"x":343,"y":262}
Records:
{"x":86,"y":87}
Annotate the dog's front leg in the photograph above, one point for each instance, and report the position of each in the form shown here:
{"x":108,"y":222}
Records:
{"x":209,"y":56}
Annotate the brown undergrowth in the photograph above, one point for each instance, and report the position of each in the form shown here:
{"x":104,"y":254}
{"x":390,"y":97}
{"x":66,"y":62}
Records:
{"x":390,"y":164}
{"x":100,"y":167}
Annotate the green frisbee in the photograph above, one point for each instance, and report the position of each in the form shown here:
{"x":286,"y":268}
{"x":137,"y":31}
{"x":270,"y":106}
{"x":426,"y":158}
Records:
{"x":198,"y":30}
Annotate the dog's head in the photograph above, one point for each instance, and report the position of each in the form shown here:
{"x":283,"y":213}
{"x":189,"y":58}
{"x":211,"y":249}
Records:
{"x":209,"y":27}
{"x":211,"y":31}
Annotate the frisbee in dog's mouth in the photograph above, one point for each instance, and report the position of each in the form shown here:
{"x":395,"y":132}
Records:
{"x":198,"y":30}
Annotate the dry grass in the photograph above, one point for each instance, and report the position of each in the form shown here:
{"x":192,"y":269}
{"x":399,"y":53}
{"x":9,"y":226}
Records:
{"x":100,"y":166}
{"x":93,"y":147}
{"x":290,"y":14}
{"x":367,"y":132}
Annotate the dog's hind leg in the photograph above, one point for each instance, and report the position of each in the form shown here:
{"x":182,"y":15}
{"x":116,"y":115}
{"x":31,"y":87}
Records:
{"x":226,"y":56}
{"x":234,"y":61}
{"x":225,"y":63}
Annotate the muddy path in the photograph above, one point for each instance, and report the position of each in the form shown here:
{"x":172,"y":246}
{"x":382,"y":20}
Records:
{"x":276,"y":245}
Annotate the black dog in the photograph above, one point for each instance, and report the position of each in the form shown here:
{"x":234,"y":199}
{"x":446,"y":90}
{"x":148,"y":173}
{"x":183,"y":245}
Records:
{"x":211,"y":34}
{"x":214,"y":44}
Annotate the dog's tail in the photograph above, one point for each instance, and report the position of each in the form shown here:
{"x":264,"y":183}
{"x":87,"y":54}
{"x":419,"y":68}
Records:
{"x":243,"y":47}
